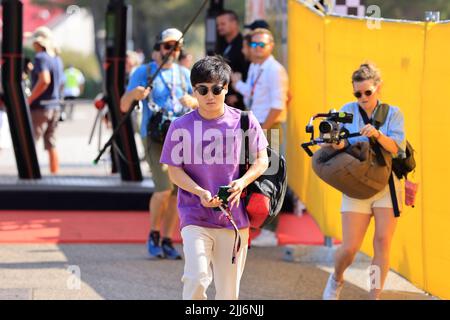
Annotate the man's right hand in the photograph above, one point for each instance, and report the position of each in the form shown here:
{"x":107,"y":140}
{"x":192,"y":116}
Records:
{"x":140,"y":93}
{"x":208,"y":201}
{"x":236,"y":77}
{"x":137,"y":94}
{"x":231,"y":100}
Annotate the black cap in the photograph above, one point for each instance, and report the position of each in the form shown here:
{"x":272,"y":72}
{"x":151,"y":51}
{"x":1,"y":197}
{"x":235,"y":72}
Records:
{"x":257,"y":24}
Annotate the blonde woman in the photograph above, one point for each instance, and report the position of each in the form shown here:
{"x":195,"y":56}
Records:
{"x":355,"y":213}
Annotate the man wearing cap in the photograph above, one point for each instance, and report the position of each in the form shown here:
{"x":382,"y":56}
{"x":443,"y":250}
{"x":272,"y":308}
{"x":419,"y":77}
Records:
{"x":228,"y":27}
{"x":172,"y":94}
{"x":266,"y":95}
{"x":45,"y":97}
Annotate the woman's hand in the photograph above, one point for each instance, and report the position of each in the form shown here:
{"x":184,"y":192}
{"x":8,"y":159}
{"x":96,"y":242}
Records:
{"x":370,"y":131}
{"x":208,"y":201}
{"x":236,"y":188}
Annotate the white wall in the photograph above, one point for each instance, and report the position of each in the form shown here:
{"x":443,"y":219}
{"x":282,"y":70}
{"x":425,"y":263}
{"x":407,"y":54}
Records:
{"x":75,"y":32}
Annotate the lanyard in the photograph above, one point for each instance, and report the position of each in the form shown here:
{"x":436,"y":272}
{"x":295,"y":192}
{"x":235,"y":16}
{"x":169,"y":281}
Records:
{"x":253,"y":85}
{"x":172,"y":88}
{"x":175,"y":105}
{"x":237,"y":237}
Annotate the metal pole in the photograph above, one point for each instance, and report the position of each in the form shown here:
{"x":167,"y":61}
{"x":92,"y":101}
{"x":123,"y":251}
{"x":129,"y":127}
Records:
{"x":213,"y":41}
{"x":16,"y":105}
{"x":116,"y":41}
{"x":328,"y":242}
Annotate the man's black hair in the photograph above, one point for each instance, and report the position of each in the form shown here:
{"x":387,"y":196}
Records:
{"x":212,"y":69}
{"x":233,"y":15}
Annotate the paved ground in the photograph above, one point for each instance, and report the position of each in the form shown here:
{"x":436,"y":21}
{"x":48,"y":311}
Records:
{"x":124,"y":272}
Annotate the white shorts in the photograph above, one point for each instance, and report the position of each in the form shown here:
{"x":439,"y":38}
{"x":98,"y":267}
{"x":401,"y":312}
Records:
{"x":381,"y":200}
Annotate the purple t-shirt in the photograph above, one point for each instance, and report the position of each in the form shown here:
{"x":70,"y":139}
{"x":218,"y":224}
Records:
{"x":209,"y":151}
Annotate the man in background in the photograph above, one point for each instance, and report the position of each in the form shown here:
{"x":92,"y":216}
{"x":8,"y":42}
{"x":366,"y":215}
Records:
{"x":228,"y":27}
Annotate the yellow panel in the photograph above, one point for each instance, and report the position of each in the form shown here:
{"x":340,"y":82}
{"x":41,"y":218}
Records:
{"x":435,"y":158}
{"x":306,"y":75}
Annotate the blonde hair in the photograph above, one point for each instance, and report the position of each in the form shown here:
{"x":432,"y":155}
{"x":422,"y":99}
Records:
{"x":367,"y":71}
{"x":262,"y":31}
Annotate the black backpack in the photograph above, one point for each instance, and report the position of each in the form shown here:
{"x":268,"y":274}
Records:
{"x":400,"y":166}
{"x":264,"y":197}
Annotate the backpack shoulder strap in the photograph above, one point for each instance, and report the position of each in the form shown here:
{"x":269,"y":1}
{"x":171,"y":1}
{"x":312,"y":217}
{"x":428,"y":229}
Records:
{"x":245,"y":125}
{"x":380,"y":115}
{"x":375,"y":145}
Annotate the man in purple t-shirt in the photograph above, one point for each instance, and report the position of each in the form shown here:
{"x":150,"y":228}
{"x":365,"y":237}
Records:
{"x":203,"y":151}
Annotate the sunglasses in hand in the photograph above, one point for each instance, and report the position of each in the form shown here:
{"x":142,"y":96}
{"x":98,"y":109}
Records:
{"x":203,"y":90}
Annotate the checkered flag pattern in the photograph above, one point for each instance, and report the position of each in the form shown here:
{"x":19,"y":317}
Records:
{"x":349,"y":8}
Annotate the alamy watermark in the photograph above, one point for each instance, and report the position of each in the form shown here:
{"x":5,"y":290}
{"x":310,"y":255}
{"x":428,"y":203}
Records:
{"x":373,"y":13}
{"x":374,"y":278}
{"x":73,"y":9}
{"x":74,"y":279}
{"x":214,"y":146}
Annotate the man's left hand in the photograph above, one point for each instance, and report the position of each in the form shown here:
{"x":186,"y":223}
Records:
{"x":236,"y":188}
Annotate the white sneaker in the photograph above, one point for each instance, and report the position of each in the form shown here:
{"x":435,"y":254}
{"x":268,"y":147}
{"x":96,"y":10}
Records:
{"x":265,"y":239}
{"x":333,"y":289}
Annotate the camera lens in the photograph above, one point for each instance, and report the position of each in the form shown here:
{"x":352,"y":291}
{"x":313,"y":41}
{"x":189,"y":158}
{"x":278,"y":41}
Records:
{"x":325,"y":127}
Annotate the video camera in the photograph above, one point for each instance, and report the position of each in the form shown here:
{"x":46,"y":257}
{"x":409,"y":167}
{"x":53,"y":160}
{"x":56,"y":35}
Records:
{"x":331,"y":130}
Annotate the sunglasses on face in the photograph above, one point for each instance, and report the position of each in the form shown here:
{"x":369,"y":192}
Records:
{"x":168,"y":46}
{"x":203,"y":90}
{"x":359,"y":94}
{"x":258,"y":44}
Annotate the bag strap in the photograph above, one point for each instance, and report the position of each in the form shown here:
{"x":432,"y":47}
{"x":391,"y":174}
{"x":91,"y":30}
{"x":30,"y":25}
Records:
{"x":380,"y":116}
{"x":245,"y":125}
{"x":375,"y":145}
{"x":378,"y":120}
{"x":394,"y":196}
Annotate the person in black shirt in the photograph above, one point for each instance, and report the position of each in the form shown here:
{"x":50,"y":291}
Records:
{"x":228,"y":28}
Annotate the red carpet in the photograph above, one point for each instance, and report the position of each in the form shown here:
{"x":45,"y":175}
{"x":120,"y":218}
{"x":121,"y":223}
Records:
{"x":118,"y":227}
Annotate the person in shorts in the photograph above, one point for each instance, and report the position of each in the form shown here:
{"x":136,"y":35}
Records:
{"x":356,"y":213}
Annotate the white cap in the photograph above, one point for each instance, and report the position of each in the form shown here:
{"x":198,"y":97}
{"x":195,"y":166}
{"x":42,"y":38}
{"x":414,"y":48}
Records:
{"x":171,"y":34}
{"x":44,"y":37}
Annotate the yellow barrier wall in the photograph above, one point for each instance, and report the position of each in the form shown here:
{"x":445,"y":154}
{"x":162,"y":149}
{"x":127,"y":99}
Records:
{"x":413,"y":58}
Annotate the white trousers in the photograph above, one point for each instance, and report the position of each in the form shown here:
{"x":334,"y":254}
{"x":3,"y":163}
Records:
{"x":205,"y":246}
